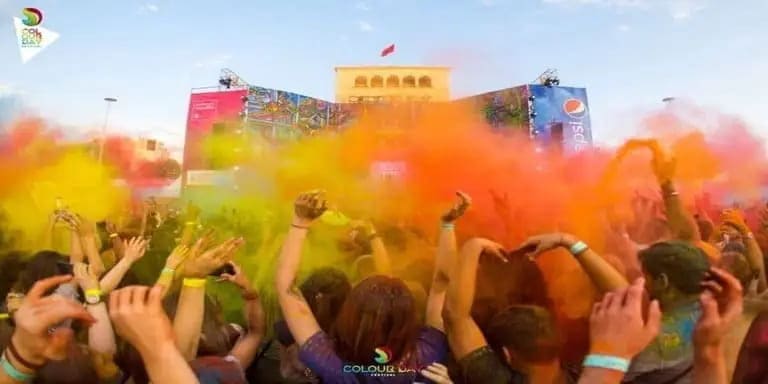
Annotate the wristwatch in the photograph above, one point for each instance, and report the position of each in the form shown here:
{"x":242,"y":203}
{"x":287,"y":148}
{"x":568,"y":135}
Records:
{"x":92,"y":298}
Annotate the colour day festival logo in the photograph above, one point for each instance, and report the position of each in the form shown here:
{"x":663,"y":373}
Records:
{"x":31,"y":36}
{"x":381,"y":356}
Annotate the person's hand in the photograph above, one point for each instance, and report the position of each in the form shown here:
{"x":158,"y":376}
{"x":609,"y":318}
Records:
{"x":84,"y":277}
{"x":462,"y":204}
{"x":539,"y":244}
{"x":488,"y":247}
{"x":664,"y":167}
{"x":73,"y":221}
{"x":83,"y":226}
{"x":239,"y":278}
{"x":35,"y":337}
{"x":735,"y":218}
{"x":212,"y":259}
{"x":721,"y":305}
{"x":308,"y":207}
{"x":177,"y":257}
{"x":134,"y":249}
{"x":437,"y":372}
{"x":616,"y":326}
{"x":138,"y":316}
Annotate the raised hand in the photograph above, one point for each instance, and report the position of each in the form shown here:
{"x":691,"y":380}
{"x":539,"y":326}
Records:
{"x":664,"y":167}
{"x":735,"y":218}
{"x":239,"y":278}
{"x":539,"y":244}
{"x":488,"y":247}
{"x":462,"y":204}
{"x":177,"y":257}
{"x":135,"y":249}
{"x":212,"y":259}
{"x":722,"y":303}
{"x":617,"y":327}
{"x":138,"y":316}
{"x":34,"y":336}
{"x":309,"y":206}
{"x":86,"y":279}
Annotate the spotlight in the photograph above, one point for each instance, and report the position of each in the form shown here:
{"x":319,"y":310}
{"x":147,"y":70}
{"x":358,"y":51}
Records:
{"x":531,"y":98}
{"x":533,"y":115}
{"x":226,"y":82}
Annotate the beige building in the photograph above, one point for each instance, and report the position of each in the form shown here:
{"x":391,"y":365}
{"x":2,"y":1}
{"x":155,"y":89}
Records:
{"x":357,"y":84}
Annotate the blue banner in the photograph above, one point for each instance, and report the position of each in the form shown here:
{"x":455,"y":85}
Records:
{"x":561,"y":117}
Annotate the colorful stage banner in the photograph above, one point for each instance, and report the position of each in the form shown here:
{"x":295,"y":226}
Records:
{"x":561,"y":117}
{"x":205,"y":110}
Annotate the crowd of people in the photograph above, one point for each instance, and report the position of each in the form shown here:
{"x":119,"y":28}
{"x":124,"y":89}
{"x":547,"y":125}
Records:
{"x":682,"y":300}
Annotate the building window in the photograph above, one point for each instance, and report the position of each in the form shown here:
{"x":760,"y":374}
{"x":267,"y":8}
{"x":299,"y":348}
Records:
{"x":377,"y":82}
{"x":361,"y":82}
{"x":409,"y":82}
{"x":393,"y":81}
{"x":425,"y":82}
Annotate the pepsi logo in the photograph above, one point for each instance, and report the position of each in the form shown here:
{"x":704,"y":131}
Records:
{"x":575,"y":108}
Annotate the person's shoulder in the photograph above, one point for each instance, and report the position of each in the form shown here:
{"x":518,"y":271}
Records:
{"x":484,"y":366}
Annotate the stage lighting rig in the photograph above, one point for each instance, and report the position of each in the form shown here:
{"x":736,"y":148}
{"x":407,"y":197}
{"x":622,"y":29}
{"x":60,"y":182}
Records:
{"x":549,"y":78}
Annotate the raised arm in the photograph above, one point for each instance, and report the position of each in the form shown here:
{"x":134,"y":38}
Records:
{"x":464,"y":336}
{"x":101,"y":337}
{"x":721,"y":306}
{"x":172,"y":264}
{"x":618,"y":332}
{"x":134,"y":250}
{"x":88,"y":239}
{"x":300,"y":319}
{"x":445,"y":262}
{"x":754,"y":254}
{"x":188,"y":322}
{"x":681,"y":223}
{"x":138,"y":315}
{"x":246,"y":348}
{"x":33,"y":343}
{"x":603,"y":275}
{"x":379,"y":252}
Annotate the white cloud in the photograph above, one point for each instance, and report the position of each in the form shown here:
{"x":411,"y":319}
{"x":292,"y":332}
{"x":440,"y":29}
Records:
{"x":364,"y":26}
{"x":361,"y":6}
{"x":623,"y":28}
{"x":149,"y":8}
{"x":213,"y":61}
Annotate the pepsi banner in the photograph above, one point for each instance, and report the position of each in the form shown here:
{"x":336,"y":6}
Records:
{"x":560,"y":117}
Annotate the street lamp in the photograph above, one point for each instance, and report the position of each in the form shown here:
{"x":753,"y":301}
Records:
{"x":109,"y":101}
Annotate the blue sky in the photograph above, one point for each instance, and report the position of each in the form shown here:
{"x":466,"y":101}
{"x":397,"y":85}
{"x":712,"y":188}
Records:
{"x":627,"y":53}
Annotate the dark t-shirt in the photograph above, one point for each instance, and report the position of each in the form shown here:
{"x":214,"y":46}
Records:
{"x":482,"y":366}
{"x":752,"y":364}
{"x":319,"y":355}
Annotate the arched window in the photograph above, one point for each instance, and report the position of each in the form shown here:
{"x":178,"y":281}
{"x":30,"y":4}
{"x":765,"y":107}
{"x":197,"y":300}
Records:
{"x":425,"y":82}
{"x":409,"y":82}
{"x":361,"y":82}
{"x":377,"y":82}
{"x":393,"y":81}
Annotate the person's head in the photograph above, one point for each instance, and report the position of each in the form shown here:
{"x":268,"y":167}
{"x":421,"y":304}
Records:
{"x":378,"y":312}
{"x":734,"y":260}
{"x":673,"y":271}
{"x":42,"y":265}
{"x":524,"y":335}
{"x":77,"y":368}
{"x":325,"y":291}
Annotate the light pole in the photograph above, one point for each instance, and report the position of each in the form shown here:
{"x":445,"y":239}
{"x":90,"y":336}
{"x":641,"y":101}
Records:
{"x":109,"y":101}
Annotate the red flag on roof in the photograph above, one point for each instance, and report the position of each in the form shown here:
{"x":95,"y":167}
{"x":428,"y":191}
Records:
{"x":388,"y":50}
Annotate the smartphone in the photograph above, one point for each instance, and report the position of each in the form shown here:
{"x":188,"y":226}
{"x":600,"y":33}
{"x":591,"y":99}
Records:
{"x":64,"y":268}
{"x":226,"y":268}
